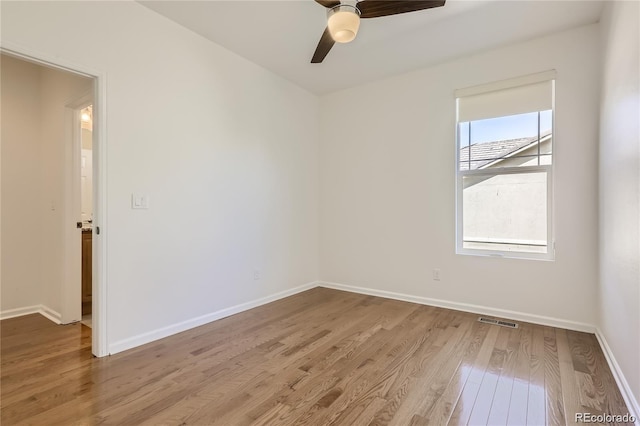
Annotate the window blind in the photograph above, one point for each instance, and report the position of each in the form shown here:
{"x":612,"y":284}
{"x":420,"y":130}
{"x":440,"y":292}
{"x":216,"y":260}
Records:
{"x":508,"y":97}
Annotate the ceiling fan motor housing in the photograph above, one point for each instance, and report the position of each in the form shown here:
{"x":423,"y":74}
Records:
{"x":343,"y":22}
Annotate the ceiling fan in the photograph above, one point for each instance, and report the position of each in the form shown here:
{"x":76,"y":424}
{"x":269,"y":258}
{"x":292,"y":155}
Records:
{"x":344,"y":18}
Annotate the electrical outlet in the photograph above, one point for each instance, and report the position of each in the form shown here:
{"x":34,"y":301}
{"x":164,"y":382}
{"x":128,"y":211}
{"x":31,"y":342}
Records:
{"x":436,"y":274}
{"x":256,"y":274}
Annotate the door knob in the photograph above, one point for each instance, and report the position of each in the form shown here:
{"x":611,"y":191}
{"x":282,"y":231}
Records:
{"x":78,"y":225}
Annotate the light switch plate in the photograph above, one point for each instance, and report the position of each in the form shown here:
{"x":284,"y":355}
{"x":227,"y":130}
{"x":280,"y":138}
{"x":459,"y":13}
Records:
{"x":139,"y":201}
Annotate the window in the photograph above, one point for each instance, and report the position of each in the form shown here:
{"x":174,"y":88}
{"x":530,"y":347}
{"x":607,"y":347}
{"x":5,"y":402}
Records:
{"x":504,"y":160}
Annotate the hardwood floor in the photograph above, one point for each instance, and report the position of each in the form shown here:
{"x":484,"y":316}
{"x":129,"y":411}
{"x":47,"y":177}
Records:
{"x":321,"y":357}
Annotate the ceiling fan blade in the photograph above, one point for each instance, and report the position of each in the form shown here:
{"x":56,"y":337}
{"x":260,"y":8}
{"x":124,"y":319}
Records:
{"x":328,"y":3}
{"x":377,"y":8}
{"x":324,"y":46}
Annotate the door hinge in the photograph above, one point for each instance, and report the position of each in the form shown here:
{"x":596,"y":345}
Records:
{"x":97,"y":230}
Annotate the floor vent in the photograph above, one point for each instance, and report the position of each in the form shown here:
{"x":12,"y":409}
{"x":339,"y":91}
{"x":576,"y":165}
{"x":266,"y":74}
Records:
{"x":498,"y":322}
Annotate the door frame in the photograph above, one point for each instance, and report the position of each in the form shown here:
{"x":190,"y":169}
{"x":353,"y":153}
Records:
{"x":99,"y":342}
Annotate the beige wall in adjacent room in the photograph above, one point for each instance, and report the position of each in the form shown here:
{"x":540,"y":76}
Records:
{"x":21,"y":185}
{"x":36,"y":142}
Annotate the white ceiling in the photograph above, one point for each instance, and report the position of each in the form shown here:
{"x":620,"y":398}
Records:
{"x":282,"y":35}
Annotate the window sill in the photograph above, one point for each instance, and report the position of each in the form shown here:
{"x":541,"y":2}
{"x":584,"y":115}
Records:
{"x":549,"y":257}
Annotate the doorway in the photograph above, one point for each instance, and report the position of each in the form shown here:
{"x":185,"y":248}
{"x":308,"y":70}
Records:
{"x":53,"y":187}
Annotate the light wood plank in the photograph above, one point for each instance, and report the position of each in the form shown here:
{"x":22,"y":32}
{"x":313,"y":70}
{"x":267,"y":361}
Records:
{"x":467,"y":398}
{"x":502,"y":397}
{"x":441,"y":410}
{"x":536,"y":407}
{"x":553,"y":386}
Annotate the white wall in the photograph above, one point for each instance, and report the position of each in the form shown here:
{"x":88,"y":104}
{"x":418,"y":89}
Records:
{"x":619,"y":290}
{"x":21,"y":190}
{"x":226,"y":150}
{"x":388,"y":184}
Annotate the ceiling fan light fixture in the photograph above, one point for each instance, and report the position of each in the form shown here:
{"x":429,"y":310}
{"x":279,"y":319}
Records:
{"x":343,"y":23}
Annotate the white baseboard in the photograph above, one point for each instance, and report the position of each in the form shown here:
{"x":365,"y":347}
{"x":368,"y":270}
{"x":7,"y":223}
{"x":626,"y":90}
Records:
{"x":466,"y":307}
{"x":51,"y":314}
{"x":632,"y":402}
{"x":28,"y":310}
{"x":18,"y":312}
{"x":160,"y":333}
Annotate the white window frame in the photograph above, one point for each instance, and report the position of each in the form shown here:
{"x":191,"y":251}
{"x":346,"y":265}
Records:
{"x":548,"y":169}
